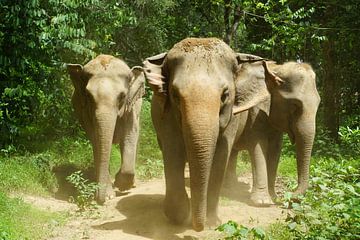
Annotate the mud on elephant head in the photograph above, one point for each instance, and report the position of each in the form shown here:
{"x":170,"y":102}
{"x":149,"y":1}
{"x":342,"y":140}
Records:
{"x":107,"y":100}
{"x":192,"y":111}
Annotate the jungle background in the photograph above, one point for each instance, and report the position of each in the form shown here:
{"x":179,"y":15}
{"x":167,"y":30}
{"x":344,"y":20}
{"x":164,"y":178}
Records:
{"x":39,"y":133}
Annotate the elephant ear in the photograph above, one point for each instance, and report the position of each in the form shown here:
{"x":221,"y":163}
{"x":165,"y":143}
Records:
{"x":136,"y":87}
{"x":75,"y":71}
{"x":153,"y":68}
{"x":271,"y":79}
{"x":251,"y":88}
{"x":79,"y":80}
{"x":248,"y":58}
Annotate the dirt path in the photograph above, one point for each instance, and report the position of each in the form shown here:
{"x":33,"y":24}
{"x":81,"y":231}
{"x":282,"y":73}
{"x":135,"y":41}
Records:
{"x":138,"y":215}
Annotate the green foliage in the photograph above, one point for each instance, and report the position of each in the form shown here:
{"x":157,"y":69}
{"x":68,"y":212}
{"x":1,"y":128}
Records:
{"x":331,"y":208}
{"x":234,"y":231}
{"x":350,"y":139}
{"x":151,"y":168}
{"x":37,"y":171}
{"x":38,"y":37}
{"x":85,"y":191}
{"x":149,"y":158}
{"x":243,"y":163}
{"x":19,"y":220}
{"x":28,"y":173}
{"x":322,"y":143}
{"x":348,"y":144}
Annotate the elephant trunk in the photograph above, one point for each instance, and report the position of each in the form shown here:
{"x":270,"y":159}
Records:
{"x":304,"y":139}
{"x":201,"y":129}
{"x":104,"y":132}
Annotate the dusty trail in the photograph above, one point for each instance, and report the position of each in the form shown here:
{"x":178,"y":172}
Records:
{"x":138,"y":215}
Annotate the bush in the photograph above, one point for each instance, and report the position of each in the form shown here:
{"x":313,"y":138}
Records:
{"x":324,"y":146}
{"x":331,"y":208}
{"x":85,"y":191}
{"x":234,"y":231}
{"x":350,"y":140}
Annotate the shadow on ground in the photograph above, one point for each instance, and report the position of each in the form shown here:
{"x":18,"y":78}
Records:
{"x":144,"y":217}
{"x":239,"y":191}
{"x":65,"y":189}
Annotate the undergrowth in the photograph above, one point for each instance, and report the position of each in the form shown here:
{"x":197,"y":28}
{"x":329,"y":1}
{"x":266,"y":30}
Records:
{"x":331,"y":207}
{"x":85,"y":191}
{"x":19,"y":220}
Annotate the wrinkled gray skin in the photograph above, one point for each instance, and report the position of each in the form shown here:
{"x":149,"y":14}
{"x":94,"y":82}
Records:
{"x":290,"y":102}
{"x":107,"y":102}
{"x":194,"y":94}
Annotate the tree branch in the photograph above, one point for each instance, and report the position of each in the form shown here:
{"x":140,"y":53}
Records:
{"x":227,"y":9}
{"x":231,"y":28}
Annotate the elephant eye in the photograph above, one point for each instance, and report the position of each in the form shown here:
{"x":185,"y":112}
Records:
{"x":225,"y":95}
{"x":121,"y":97}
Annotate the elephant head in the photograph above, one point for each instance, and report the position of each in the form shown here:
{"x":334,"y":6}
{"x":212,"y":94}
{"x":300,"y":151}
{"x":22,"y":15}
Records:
{"x":104,"y":90}
{"x":196,"y":82}
{"x":294,"y":103}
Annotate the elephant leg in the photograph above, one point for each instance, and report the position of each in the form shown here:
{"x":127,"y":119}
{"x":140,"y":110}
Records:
{"x":176,"y":203}
{"x":230,"y":174}
{"x":215,"y":183}
{"x":259,"y":194}
{"x":274,"y":150}
{"x":129,"y":136}
{"x":219,"y":165}
{"x":169,"y":135}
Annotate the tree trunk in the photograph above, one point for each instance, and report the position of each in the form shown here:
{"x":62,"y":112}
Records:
{"x":330,"y":89}
{"x":231,"y":26}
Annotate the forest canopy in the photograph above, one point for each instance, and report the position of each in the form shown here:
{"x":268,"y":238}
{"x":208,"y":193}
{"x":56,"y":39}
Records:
{"x":38,"y":38}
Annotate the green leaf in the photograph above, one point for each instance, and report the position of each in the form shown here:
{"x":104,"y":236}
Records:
{"x":292,"y":225}
{"x":259,"y":232}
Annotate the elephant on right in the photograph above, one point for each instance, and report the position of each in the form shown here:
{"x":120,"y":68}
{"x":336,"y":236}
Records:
{"x":288,"y":104}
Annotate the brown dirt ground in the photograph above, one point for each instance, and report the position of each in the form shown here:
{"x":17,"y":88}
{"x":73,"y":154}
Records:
{"x":138,"y":215}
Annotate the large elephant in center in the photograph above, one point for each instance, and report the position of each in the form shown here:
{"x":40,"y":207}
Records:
{"x":107,"y":102}
{"x":192,"y":112}
{"x":289,"y":104}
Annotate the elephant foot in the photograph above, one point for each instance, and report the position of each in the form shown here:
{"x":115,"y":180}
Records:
{"x":177,"y":208}
{"x":124,"y":181}
{"x":261,"y":199}
{"x":300,"y":190}
{"x":104,"y":193}
{"x":274,"y":196}
{"x":197,"y":226}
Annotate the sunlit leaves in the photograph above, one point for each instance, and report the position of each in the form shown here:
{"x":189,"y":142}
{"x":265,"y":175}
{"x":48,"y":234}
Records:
{"x":330,"y":209}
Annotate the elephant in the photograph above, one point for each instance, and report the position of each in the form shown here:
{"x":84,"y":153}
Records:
{"x":107,"y":101}
{"x":289,"y":105}
{"x":194,"y":95}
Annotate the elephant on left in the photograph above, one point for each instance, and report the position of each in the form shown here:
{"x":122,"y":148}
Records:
{"x":107,"y":101}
